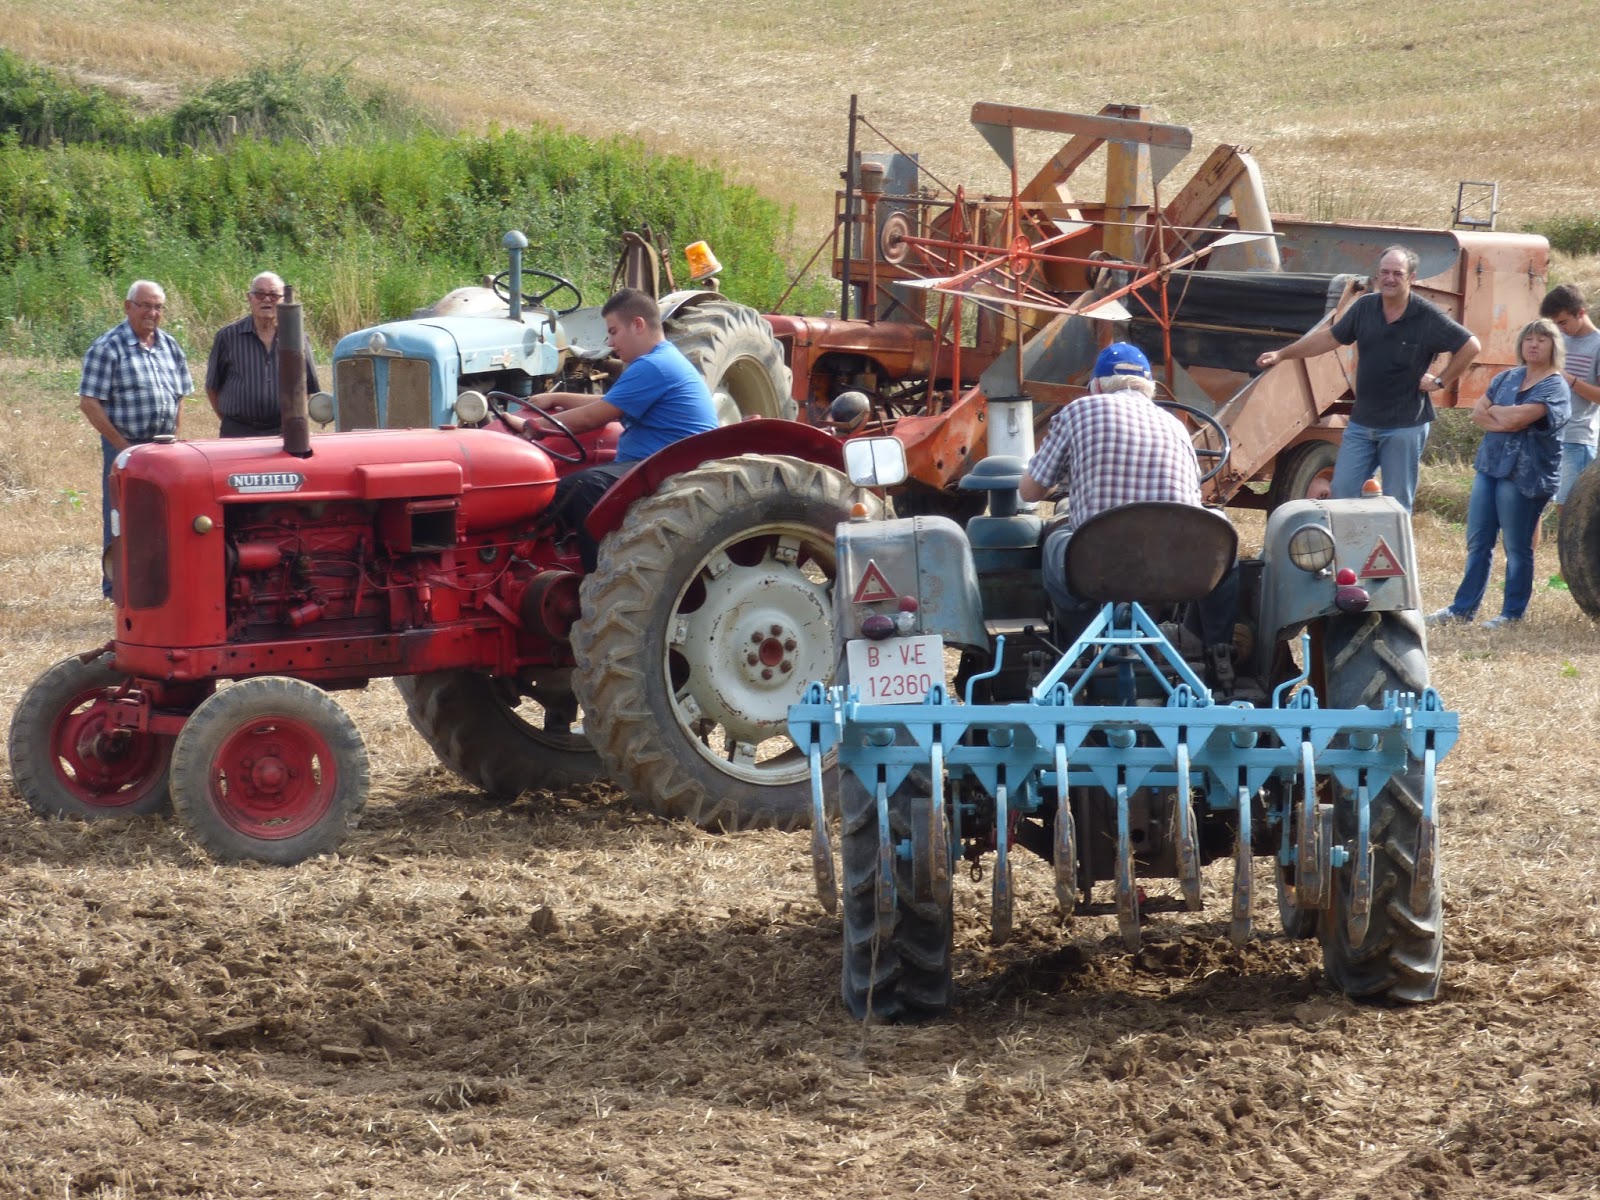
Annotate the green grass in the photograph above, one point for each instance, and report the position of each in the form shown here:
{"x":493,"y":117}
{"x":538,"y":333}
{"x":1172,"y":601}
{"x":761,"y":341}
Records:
{"x":370,"y":214}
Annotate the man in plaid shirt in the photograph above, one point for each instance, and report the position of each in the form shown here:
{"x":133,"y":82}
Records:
{"x":134,"y":377}
{"x":1109,"y":448}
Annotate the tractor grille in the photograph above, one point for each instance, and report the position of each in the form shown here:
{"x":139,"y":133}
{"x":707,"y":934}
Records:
{"x":357,"y":390}
{"x":144,"y":514}
{"x":409,"y":394}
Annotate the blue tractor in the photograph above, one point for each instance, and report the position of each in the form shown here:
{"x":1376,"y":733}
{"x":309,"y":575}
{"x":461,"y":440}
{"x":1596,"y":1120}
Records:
{"x":526,"y":331}
{"x":1121,"y":742}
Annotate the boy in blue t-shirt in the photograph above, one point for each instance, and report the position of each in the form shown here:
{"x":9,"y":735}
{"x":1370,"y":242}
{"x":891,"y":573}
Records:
{"x":659,"y":398}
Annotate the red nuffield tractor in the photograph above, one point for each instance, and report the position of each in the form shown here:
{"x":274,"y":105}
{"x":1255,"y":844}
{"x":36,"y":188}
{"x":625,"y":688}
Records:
{"x":253,"y":577}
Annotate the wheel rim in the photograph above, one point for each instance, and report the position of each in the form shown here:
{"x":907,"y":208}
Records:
{"x":273,"y":778}
{"x":750,"y":630}
{"x":552,"y":721}
{"x":749,"y":390}
{"x":101,"y":766}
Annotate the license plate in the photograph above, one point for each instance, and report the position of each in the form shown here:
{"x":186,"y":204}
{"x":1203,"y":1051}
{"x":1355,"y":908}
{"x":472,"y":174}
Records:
{"x":898,"y":670}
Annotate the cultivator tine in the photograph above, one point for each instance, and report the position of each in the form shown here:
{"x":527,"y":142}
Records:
{"x":1239,"y":930}
{"x":885,"y":892}
{"x":939,"y":835}
{"x":821,"y":848}
{"x":1127,"y":897}
{"x":1000,"y":900}
{"x":1311,"y":850}
{"x":1188,"y":846}
{"x":1361,"y":877}
{"x":1066,"y":841}
{"x":1427,"y":836}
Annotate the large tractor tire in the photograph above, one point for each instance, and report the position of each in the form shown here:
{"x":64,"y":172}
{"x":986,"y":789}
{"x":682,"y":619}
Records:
{"x":494,"y":738}
{"x":1303,"y":472}
{"x":709,"y":613}
{"x":68,"y":760}
{"x":732,"y":346}
{"x":896,"y":965}
{"x":1401,"y":958}
{"x":1579,"y":541}
{"x":269,"y":769}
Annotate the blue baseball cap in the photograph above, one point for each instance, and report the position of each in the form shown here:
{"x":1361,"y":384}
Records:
{"x":1121,"y":358}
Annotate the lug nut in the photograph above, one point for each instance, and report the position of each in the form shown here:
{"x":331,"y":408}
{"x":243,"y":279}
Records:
{"x":751,"y":659}
{"x":789,"y":644}
{"x":755,"y":639}
{"x":777,"y":631}
{"x":766,"y":673}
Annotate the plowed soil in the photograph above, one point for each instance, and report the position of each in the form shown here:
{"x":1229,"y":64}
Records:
{"x":566,"y":998}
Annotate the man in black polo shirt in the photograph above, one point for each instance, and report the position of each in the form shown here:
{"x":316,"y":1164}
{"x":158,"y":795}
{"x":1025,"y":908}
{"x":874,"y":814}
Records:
{"x":242,"y":373}
{"x":1397,"y":335}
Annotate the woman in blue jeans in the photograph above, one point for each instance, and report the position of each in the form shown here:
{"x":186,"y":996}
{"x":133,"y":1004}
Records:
{"x":1518,"y":467}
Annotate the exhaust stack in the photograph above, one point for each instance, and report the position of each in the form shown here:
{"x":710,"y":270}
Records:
{"x":292,"y":376}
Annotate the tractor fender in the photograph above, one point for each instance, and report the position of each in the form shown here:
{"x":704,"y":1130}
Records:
{"x":675,"y":302}
{"x":755,"y":436}
{"x":926,"y":558}
{"x":1371,"y":536}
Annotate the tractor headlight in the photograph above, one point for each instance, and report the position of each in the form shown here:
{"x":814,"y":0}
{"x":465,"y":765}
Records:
{"x":471,"y":408}
{"x":1311,"y":548}
{"x":319,"y":407}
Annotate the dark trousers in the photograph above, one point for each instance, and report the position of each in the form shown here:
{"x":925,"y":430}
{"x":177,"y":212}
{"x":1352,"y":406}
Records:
{"x":575,"y":498}
{"x":233,"y":427}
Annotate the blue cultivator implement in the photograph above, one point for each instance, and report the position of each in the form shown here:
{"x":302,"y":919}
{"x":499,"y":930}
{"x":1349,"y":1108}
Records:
{"x":1135,"y":752}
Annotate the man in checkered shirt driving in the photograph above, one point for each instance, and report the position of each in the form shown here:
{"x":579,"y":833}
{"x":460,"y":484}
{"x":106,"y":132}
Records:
{"x":1109,"y":448}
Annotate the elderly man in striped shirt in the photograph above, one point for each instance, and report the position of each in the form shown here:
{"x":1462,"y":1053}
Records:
{"x":242,"y":373}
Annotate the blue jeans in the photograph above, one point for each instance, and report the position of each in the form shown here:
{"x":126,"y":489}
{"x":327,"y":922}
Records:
{"x":1364,"y":450}
{"x":1497,"y":509}
{"x":1575,"y":456}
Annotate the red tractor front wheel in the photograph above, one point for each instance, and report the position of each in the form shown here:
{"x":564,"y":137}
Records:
{"x":67,"y":758}
{"x":269,"y":769}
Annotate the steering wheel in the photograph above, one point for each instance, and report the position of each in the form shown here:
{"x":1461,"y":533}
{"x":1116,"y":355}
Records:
{"x":501,"y":284}
{"x":1201,"y":417}
{"x":497,"y":405}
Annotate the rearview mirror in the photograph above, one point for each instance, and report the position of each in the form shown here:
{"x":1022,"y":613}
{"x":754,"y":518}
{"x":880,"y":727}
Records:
{"x":875,"y":462}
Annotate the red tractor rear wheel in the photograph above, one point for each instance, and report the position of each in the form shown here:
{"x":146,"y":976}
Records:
{"x":710,"y":612}
{"x":269,"y":769}
{"x":67,"y":759}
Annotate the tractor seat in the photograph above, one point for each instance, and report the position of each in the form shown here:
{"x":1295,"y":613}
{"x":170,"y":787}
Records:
{"x":1154,"y":552}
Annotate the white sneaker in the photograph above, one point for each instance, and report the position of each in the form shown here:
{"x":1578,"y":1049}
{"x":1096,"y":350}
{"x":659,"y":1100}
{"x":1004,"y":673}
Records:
{"x":1501,"y":621}
{"x":1446,"y":616}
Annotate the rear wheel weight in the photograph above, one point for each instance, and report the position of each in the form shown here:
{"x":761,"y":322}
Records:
{"x":1401,"y":958}
{"x":709,"y":613}
{"x":269,"y":769}
{"x":68,"y":761}
{"x":904,"y":970}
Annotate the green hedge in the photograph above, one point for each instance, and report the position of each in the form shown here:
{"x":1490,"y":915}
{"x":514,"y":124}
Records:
{"x":367,"y":225}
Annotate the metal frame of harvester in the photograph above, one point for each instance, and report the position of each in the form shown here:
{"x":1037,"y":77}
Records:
{"x":1204,"y":276}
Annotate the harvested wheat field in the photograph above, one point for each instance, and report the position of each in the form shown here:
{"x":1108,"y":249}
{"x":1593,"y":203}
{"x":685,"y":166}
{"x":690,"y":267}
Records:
{"x":565,"y":998}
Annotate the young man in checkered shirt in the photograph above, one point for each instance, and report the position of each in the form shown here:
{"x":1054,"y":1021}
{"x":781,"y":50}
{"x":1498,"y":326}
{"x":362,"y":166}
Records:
{"x":134,"y":378}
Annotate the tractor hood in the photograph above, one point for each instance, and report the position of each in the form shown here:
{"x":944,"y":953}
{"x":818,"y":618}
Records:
{"x":472,"y":345}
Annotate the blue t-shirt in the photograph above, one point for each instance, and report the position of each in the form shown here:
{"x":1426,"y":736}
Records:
{"x":1530,"y":457}
{"x":663,"y":400}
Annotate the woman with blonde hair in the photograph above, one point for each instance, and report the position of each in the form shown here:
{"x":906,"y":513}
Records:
{"x":1518,"y":467}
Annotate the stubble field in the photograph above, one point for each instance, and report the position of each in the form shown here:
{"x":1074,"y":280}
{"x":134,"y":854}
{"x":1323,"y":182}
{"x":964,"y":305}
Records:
{"x":565,"y":998}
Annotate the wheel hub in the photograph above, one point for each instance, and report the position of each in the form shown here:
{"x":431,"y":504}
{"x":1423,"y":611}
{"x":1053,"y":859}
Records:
{"x":268,"y":773}
{"x":763,"y":631}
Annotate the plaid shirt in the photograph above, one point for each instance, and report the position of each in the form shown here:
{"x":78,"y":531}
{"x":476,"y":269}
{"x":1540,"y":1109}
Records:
{"x":1116,"y":448}
{"x":138,"y":387}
